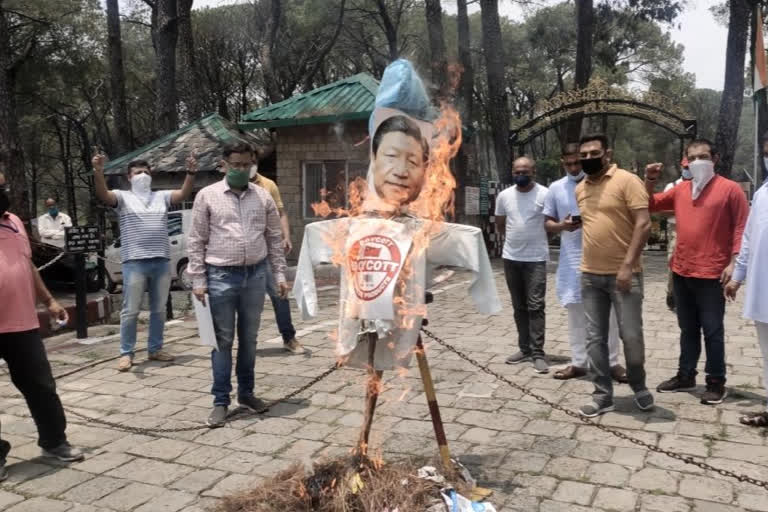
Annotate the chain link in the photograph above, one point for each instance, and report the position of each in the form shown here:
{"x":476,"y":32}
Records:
{"x":54,"y":260}
{"x":233,"y":415}
{"x":573,"y":414}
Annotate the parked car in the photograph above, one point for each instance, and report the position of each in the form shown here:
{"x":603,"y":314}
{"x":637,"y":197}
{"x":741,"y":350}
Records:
{"x":178,"y":227}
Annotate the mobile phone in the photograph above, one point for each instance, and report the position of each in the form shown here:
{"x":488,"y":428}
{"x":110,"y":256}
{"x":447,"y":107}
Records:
{"x":576,"y":219}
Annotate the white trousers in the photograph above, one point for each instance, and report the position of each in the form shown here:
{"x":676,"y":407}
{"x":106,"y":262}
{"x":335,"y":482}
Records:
{"x":762,"y":338}
{"x":577,"y":328}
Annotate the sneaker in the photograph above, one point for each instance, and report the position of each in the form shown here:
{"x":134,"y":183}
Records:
{"x":218,"y":416}
{"x":160,"y":355}
{"x":677,"y":383}
{"x":65,"y":452}
{"x":517,"y":358}
{"x":644,"y":400}
{"x":540,"y":365}
{"x":252,"y":403}
{"x":715,"y":393}
{"x":593,"y":409}
{"x":293,"y":346}
{"x":125,"y":363}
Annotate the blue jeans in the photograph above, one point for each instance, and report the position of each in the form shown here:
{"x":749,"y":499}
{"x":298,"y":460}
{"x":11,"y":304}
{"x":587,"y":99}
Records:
{"x":700,"y":308}
{"x":598,"y":293}
{"x":235,"y":291}
{"x":152,"y":275}
{"x":282,"y":309}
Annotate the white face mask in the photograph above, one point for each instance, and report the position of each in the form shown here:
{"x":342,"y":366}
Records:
{"x":141,"y":184}
{"x":576,"y":178}
{"x":702,"y":171}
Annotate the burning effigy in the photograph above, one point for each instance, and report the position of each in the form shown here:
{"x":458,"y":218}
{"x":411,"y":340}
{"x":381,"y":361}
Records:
{"x":386,"y":242}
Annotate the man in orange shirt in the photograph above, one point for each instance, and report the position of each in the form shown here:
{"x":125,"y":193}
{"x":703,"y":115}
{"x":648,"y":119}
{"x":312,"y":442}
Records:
{"x":20,"y":344}
{"x":614,"y":214}
{"x":711,"y":212}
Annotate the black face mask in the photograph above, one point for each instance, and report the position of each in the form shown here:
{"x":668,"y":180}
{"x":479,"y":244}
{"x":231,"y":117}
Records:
{"x":592,"y":165}
{"x":5,"y":201}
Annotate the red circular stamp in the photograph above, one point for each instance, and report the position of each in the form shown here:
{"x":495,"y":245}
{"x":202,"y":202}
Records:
{"x":374,"y":261}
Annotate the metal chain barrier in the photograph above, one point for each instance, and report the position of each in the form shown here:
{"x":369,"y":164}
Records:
{"x":54,"y":260}
{"x":621,"y":435}
{"x":233,"y":415}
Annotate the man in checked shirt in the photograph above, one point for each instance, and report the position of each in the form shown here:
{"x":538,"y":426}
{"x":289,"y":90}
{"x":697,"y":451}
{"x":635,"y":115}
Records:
{"x":235,"y":234}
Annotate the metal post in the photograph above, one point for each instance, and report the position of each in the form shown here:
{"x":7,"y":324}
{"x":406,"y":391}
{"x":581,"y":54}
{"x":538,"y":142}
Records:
{"x":434,"y":409}
{"x":81,"y":297}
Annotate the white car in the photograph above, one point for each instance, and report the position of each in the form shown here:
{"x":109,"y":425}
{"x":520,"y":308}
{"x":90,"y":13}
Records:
{"x":178,"y":227}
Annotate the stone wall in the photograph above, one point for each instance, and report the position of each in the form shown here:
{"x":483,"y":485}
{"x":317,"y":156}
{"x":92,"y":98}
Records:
{"x":298,"y":144}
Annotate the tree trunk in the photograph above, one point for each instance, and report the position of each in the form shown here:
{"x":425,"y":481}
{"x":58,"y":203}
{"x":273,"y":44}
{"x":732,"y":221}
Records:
{"x":11,"y":155}
{"x":117,"y":79}
{"x":390,"y":30}
{"x":497,"y":95}
{"x":186,"y":64}
{"x":585,"y":28}
{"x":733,"y":90}
{"x":438,"y":63}
{"x":167,"y":29}
{"x":467,"y":83}
{"x":267,"y":50}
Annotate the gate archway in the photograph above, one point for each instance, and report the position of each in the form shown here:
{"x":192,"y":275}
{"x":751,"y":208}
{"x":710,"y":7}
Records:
{"x":600,"y":99}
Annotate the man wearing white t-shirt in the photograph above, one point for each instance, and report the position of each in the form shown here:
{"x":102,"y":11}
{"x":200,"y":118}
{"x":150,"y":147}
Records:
{"x":520,"y":216}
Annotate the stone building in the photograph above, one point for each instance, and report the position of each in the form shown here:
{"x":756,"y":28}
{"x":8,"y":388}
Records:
{"x":321,"y":144}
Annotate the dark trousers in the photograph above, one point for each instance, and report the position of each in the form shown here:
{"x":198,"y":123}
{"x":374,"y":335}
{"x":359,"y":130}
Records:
{"x":700,"y":308}
{"x":30,"y":371}
{"x":527,"y":283}
{"x":599,"y":294}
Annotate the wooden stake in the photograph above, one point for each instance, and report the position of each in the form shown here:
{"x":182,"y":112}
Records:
{"x":371,"y":395}
{"x":434,"y":409}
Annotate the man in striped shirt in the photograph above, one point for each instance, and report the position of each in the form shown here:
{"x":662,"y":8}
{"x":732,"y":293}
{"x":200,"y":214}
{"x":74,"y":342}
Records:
{"x":235,"y":234}
{"x":144,"y":250}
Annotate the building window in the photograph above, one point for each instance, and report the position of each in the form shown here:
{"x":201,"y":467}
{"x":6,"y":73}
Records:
{"x":331,"y":176}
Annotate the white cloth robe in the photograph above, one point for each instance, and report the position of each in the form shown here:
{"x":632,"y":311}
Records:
{"x":751,"y":262}
{"x":454,"y":244}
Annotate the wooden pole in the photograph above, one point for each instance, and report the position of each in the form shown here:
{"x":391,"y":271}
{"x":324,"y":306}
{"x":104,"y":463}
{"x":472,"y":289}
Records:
{"x":434,"y":409}
{"x":373,"y":385}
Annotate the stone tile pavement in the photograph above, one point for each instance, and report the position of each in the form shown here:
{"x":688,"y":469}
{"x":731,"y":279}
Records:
{"x":534,"y":458}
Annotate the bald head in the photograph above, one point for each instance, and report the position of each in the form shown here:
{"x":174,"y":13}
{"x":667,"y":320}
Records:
{"x":50,"y":202}
{"x":524,"y":161}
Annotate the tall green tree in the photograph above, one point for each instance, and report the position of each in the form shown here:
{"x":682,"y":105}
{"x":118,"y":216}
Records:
{"x":733,"y":90}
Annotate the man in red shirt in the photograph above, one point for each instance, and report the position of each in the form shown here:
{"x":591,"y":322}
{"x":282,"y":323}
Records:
{"x":20,"y":344}
{"x":711,"y":212}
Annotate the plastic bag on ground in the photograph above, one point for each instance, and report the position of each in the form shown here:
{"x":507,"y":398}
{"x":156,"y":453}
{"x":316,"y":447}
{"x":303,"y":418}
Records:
{"x":458,"y":503}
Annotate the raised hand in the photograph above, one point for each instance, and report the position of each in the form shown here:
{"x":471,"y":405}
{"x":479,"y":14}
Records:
{"x":653,"y":171}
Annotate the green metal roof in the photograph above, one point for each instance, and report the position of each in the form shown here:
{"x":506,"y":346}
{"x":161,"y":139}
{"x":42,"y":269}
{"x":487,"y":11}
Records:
{"x":169,"y":152}
{"x":352,"y":98}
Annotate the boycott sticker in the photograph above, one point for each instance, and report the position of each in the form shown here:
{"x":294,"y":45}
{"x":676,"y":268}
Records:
{"x":374,"y":262}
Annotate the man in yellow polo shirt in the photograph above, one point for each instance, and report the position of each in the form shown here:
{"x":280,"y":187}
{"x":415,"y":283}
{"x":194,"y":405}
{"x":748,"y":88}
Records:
{"x":281,"y":306}
{"x":616,"y":223}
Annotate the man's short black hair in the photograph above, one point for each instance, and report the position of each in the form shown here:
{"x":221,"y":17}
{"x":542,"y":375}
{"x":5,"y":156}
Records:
{"x":701,"y":141}
{"x":595,"y":137}
{"x":400,"y":124}
{"x":237,"y":147}
{"x":134,"y":164}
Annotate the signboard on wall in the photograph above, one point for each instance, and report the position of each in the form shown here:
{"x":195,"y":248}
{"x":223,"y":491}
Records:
{"x":472,"y":200}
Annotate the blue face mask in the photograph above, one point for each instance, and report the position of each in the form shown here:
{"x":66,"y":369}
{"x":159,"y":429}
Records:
{"x":522,"y":181}
{"x":53,"y":212}
{"x":686,"y":174}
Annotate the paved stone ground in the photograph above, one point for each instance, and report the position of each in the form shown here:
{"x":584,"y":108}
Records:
{"x":534,"y":459}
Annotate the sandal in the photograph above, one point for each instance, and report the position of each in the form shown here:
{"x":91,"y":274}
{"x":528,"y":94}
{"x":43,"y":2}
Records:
{"x":757,"y":419}
{"x":619,"y":374}
{"x":570,"y":372}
